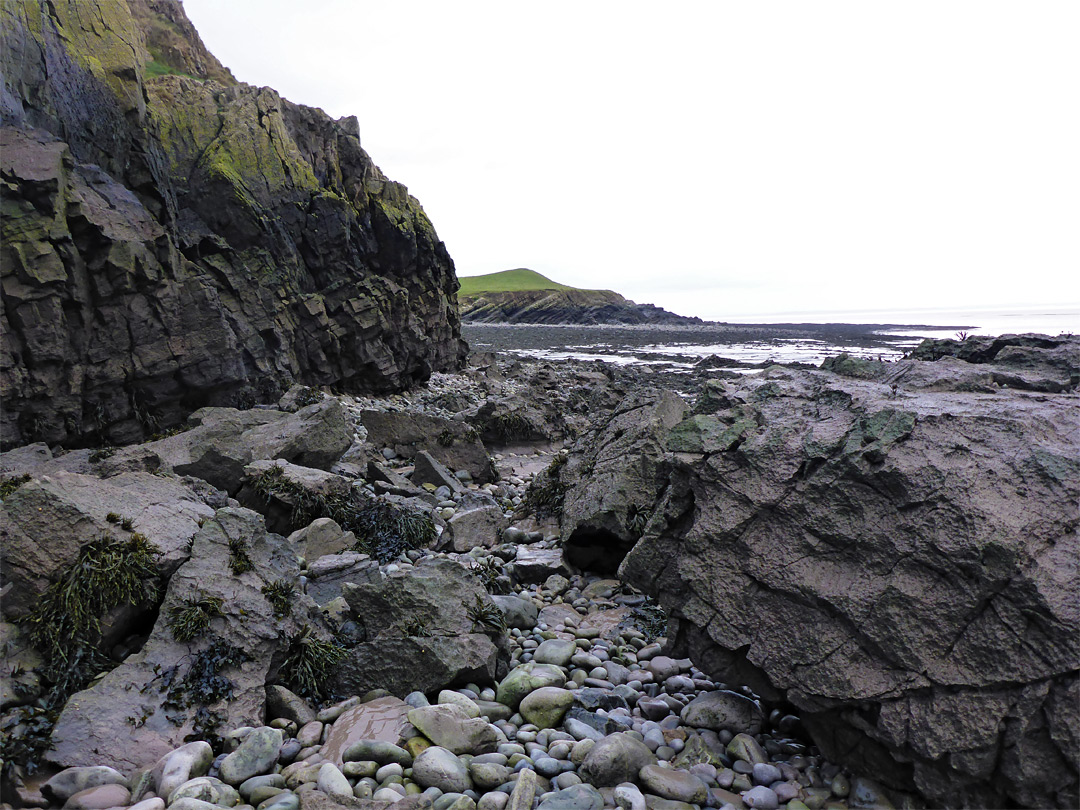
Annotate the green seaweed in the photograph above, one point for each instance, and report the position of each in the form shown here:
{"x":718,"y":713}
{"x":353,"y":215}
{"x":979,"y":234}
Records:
{"x":9,"y":484}
{"x":486,"y":614}
{"x":308,"y":664}
{"x":239,"y":561}
{"x":511,"y":425}
{"x":280,"y":595}
{"x":191,"y":618}
{"x":65,"y":627}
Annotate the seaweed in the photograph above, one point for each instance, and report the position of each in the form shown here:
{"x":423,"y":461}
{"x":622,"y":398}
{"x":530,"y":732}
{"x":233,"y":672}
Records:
{"x":415,"y":628}
{"x":65,"y":626}
{"x":649,"y":619}
{"x":106,"y":573}
{"x":9,"y":484}
{"x":383,"y":529}
{"x":309,"y":396}
{"x":239,"y":561}
{"x":308,"y":664}
{"x":486,"y":614}
{"x":280,"y":595}
{"x":202,"y":686}
{"x":637,"y":518}
{"x":511,"y":425}
{"x":192,"y":616}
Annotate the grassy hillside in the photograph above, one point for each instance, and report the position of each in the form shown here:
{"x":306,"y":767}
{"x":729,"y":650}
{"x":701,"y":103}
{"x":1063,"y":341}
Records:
{"x":508,"y":281}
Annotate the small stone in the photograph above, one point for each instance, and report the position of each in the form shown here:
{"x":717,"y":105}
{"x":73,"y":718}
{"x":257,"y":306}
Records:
{"x":206,"y":789}
{"x":575,"y":797}
{"x":722,"y":710}
{"x":177,"y":767}
{"x":557,"y":651}
{"x":99,"y":797}
{"x":765,"y":773}
{"x":441,"y":768}
{"x":615,"y":759}
{"x":257,"y":754}
{"x":524,"y":791}
{"x":746,"y":748}
{"x":333,"y":782}
{"x":377,"y":751}
{"x":546,"y":706}
{"x":673,"y":784}
{"x":761,"y":798}
{"x":70,"y":781}
{"x":628,"y":797}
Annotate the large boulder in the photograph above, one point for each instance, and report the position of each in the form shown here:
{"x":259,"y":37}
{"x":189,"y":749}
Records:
{"x":899,"y":564}
{"x":71,"y":510}
{"x":451,"y":442}
{"x":478,"y":522}
{"x":405,"y":664}
{"x":426,"y":627}
{"x":433,"y":598}
{"x":222,"y":441}
{"x":214,"y":678}
{"x":613,"y":492}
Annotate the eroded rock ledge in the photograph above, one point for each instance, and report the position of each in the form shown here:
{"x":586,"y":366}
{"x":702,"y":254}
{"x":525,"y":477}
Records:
{"x":895,"y":555}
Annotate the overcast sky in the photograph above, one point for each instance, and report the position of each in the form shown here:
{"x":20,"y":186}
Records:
{"x":720,"y":159}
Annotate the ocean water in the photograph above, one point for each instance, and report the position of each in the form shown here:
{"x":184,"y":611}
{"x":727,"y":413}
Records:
{"x":791,"y":338}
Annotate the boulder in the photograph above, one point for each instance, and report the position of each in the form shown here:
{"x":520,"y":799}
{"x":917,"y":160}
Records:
{"x":517,"y":611}
{"x":451,"y":442}
{"x":281,"y":491}
{"x":72,"y":510}
{"x":451,"y":727}
{"x":405,"y":664}
{"x":426,"y":470}
{"x":440,"y":768}
{"x":321,"y":537}
{"x":328,"y":574}
{"x":537,"y":564}
{"x":222,"y":441}
{"x":723,"y":710}
{"x":432,"y":598}
{"x":156,"y":695}
{"x":612,"y":494}
{"x":897,"y":563}
{"x":526,"y":678}
{"x":478,"y":523}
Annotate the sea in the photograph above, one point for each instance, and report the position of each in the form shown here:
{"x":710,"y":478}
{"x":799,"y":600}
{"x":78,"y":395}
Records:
{"x":747,"y":346}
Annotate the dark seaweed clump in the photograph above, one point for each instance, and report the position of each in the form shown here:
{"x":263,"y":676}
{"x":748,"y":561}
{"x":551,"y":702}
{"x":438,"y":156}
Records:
{"x":383,"y":530}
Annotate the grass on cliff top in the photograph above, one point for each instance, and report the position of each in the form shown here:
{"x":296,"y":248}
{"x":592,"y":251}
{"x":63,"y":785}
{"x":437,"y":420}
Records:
{"x":155,"y":68}
{"x":508,"y":281}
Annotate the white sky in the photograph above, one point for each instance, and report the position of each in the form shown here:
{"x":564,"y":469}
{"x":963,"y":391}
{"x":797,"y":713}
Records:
{"x":720,"y":159}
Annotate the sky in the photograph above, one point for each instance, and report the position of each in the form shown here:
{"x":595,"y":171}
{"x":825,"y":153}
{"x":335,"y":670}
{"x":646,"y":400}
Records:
{"x":720,"y":159}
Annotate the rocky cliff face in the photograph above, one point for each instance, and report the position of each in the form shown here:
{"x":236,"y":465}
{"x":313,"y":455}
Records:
{"x":893,"y":551}
{"x":173,"y":239}
{"x":564,"y":306}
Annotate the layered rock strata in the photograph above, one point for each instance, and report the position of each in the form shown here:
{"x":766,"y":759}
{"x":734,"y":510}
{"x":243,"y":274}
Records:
{"x":179,"y":240}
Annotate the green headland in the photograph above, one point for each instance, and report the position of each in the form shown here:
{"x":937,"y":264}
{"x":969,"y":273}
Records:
{"x":519,"y":280}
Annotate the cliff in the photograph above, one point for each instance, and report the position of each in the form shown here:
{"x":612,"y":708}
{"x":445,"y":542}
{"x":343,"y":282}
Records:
{"x":174,"y":239}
